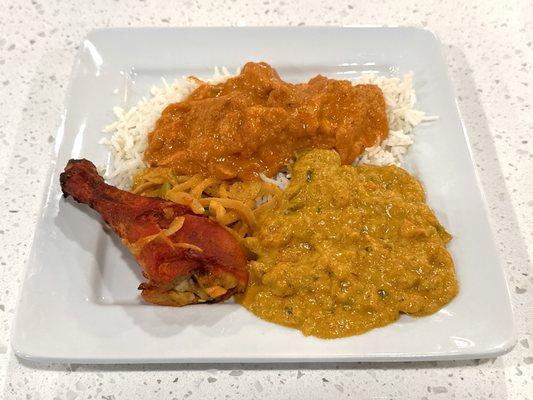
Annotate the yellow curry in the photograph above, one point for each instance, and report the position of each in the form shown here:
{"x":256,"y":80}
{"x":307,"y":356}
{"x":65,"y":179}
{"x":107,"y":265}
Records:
{"x":346,"y":249}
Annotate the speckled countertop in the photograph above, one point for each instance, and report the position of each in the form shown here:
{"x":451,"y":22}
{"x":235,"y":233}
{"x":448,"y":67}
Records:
{"x":489,"y":50}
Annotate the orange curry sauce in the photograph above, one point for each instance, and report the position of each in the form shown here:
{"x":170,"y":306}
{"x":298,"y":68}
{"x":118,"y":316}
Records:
{"x":254,"y":123}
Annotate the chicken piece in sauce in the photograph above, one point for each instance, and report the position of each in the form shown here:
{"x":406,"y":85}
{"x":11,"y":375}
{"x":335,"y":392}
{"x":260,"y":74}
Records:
{"x":253,"y":123}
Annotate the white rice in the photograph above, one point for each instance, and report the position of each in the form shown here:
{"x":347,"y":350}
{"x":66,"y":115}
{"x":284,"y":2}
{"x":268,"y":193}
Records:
{"x":129,"y":132}
{"x":400,"y":98}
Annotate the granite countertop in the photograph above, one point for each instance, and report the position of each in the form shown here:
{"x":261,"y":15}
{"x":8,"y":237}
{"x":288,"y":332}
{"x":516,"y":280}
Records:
{"x":489,"y":51}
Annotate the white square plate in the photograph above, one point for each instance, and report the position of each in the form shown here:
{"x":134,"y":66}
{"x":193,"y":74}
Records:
{"x":79,"y":301}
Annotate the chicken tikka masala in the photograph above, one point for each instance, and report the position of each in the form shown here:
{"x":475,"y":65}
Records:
{"x":254,"y":122}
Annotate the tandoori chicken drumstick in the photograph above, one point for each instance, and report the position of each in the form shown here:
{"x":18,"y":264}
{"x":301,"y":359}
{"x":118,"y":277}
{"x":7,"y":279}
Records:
{"x":186,"y":258}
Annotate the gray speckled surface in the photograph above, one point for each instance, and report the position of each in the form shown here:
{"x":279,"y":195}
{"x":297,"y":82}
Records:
{"x":489,"y":50}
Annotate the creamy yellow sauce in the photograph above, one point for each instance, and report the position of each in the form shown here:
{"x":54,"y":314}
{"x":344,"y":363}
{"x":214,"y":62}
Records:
{"x":346,"y":249}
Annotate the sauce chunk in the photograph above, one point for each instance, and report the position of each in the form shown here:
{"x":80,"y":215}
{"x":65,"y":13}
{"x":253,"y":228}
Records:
{"x":347,"y":249}
{"x":254,"y":122}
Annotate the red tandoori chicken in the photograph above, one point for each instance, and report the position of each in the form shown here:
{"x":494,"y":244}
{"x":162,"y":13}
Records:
{"x":186,"y":258}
